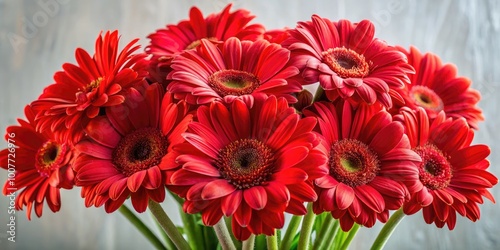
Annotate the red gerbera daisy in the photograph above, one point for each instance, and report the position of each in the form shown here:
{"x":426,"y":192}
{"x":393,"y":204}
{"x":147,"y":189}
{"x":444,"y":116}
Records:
{"x":436,"y":87}
{"x":452,"y":171}
{"x":347,"y":60}
{"x":235,"y":70}
{"x":371,"y":166}
{"x":277,"y":35}
{"x":82,"y":90}
{"x":250,"y":163}
{"x":127,"y":151}
{"x":41,"y":163}
{"x":186,"y":35}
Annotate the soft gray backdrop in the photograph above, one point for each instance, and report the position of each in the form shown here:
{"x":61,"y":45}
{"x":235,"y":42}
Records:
{"x":462,"y":32}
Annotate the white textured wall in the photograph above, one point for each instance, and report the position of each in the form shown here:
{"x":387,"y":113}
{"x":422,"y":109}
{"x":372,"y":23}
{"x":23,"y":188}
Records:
{"x":466,"y":33}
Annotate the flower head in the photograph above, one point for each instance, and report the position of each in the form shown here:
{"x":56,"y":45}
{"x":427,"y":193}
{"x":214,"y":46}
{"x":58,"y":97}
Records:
{"x":234,"y":70}
{"x":173,"y":39}
{"x":81,"y":91}
{"x":347,"y":60}
{"x":128,"y":150}
{"x":42,"y":164}
{"x":371,"y":166}
{"x":452,"y":172}
{"x":436,"y":87}
{"x":249,"y":163}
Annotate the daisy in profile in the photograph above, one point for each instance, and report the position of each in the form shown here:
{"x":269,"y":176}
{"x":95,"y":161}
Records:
{"x":82,"y":91}
{"x":371,"y":167}
{"x":233,"y":70}
{"x":436,"y":87}
{"x":186,"y":35}
{"x":251,"y":163}
{"x":129,"y":150}
{"x":453,"y":172}
{"x":42,"y":165}
{"x":348,"y":61}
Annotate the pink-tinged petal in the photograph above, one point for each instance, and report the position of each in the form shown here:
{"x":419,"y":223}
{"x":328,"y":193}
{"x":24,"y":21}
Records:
{"x":277,"y":192}
{"x":370,"y":197}
{"x":202,"y":168}
{"x":153,"y":178}
{"x":194,"y":192}
{"x":95,"y":150}
{"x":256,"y":197}
{"x":302,"y":191}
{"x":231,"y":202}
{"x":291,"y":176}
{"x":114,"y":89}
{"x":157,"y":195}
{"x":100,"y":130}
{"x":134,"y":181}
{"x":201,"y":144}
{"x":284,"y":131}
{"x":140,"y":200}
{"x":326,"y":181}
{"x":96,"y":171}
{"x":344,"y":196}
{"x":216,"y":189}
{"x":243,"y":214}
{"x":241,"y":233}
{"x":117,"y":189}
{"x":296,"y":207}
{"x":291,"y":157}
{"x":185,"y":178}
{"x":387,"y":138}
{"x":275,"y":220}
{"x":241,"y":118}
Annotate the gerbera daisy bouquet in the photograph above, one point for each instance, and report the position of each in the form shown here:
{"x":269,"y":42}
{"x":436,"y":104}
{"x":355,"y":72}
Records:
{"x":218,"y":113}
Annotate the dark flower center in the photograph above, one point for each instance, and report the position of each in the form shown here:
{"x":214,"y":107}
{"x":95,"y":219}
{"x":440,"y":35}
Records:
{"x":140,"y":150}
{"x":197,"y":43}
{"x":50,"y":157}
{"x":246,"y":163}
{"x":233,"y":82}
{"x":346,"y":62}
{"x":426,"y":98}
{"x":435,"y":171}
{"x":353,"y":163}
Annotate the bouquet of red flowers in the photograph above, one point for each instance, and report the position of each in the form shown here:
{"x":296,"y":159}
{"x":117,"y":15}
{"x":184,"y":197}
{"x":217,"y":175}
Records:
{"x":217,"y":112}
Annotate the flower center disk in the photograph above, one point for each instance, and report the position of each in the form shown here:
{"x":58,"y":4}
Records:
{"x":353,"y":163}
{"x":435,"y":170}
{"x":246,"y":163}
{"x":140,"y":150}
{"x":197,"y":43}
{"x":50,"y":157}
{"x":346,"y":62}
{"x":426,"y":98}
{"x":233,"y":82}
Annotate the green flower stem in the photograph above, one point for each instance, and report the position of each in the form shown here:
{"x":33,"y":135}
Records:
{"x":387,"y":230}
{"x":328,"y":229}
{"x":290,"y":232}
{"x":324,"y":232}
{"x":223,"y":235}
{"x":192,"y":230}
{"x":168,"y":242}
{"x":141,"y":227}
{"x":168,"y":226}
{"x":249,"y":244}
{"x":236,"y":242}
{"x":307,"y":225}
{"x":331,"y":241}
{"x":351,"y":235}
{"x":272,"y":241}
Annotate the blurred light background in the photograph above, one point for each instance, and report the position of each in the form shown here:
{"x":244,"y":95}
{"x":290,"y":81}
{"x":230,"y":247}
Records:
{"x":466,"y":33}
